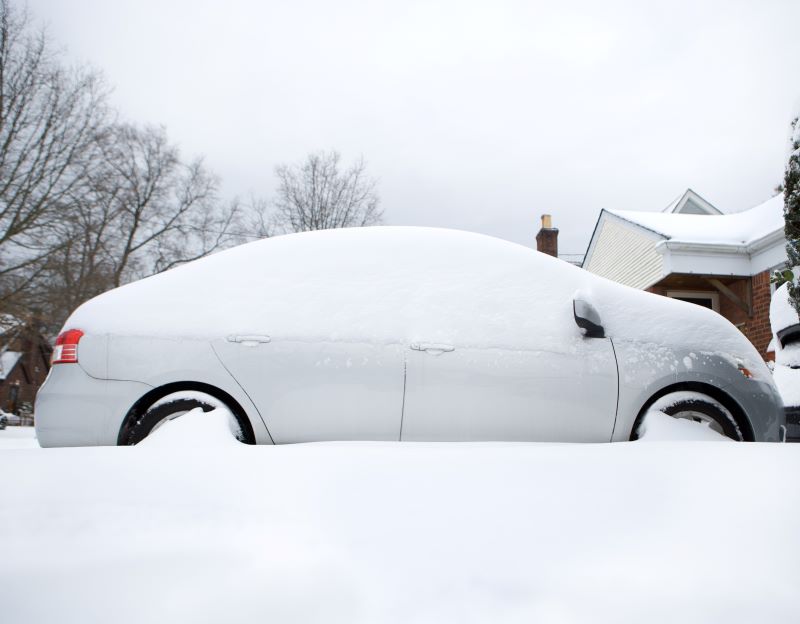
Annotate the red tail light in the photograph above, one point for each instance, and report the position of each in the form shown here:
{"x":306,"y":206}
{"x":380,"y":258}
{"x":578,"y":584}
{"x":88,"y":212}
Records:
{"x":66,"y":349}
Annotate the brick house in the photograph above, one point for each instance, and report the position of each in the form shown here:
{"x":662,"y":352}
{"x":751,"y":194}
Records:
{"x":694,"y":252}
{"x":24,"y":364}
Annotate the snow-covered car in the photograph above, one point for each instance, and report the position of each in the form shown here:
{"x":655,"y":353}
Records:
{"x":392,"y":333}
{"x":786,"y":341}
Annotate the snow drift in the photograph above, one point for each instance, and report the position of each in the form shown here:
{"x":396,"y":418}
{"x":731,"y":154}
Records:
{"x":217,"y":531}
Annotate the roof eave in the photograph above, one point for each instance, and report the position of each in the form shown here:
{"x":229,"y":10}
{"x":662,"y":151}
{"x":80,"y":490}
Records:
{"x":638,"y":225}
{"x":688,"y":247}
{"x":768,"y":240}
{"x":706,"y":258}
{"x":754,"y":246}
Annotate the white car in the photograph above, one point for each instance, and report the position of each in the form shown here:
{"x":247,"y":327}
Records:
{"x":786,"y":341}
{"x":392,"y":333}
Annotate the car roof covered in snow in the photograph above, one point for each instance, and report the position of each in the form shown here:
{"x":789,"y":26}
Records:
{"x":390,"y":284}
{"x":347,"y":284}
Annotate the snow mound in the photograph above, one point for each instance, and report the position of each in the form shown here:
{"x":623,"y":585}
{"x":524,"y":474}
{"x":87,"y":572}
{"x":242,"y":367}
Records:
{"x":781,"y":312}
{"x":18,"y":438}
{"x":660,"y":427}
{"x":787,"y":379}
{"x":396,"y":533}
{"x":195,"y":429}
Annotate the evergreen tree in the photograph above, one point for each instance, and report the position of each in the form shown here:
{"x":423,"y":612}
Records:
{"x":791,"y":212}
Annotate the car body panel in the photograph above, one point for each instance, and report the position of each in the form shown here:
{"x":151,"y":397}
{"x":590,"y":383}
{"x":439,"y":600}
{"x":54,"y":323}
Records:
{"x":763,"y":405}
{"x":500,"y":394}
{"x":74,"y":409}
{"x":159,"y":361}
{"x":313,"y":391}
{"x":647,"y":369}
{"x":88,"y":410}
{"x":94,"y":355}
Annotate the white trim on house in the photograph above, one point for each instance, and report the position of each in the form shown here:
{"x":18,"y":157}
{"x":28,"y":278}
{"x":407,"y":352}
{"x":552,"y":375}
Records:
{"x":768,"y":252}
{"x":711,"y":295}
{"x":723,"y":259}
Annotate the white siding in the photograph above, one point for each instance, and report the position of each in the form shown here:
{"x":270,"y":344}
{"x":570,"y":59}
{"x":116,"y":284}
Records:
{"x":625,"y":255}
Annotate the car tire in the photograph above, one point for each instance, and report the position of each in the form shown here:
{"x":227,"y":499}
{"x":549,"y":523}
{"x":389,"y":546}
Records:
{"x":697,"y":407}
{"x":166,"y":409}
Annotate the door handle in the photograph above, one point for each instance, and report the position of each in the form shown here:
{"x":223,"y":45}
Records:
{"x":249,"y":340}
{"x":433,"y":349}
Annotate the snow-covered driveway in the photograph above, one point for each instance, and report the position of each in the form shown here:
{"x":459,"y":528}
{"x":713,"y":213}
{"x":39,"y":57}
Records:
{"x":198,"y":528}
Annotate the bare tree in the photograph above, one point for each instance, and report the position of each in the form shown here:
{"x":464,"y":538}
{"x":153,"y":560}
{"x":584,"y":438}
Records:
{"x":86,"y":203}
{"x":50,"y":119}
{"x":161,"y":211}
{"x":319,"y":194}
{"x":140,"y":212}
{"x":261,"y":219}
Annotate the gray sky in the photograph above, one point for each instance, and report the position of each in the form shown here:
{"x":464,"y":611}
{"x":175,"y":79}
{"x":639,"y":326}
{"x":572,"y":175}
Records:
{"x":479,"y":116}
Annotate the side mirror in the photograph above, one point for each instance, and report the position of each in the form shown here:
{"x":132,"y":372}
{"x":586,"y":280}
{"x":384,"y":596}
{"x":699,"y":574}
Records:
{"x":587,"y":318}
{"x":789,"y":335}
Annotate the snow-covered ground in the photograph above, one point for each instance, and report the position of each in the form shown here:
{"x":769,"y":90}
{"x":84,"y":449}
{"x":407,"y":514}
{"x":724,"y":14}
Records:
{"x":17,"y":438}
{"x":191,"y":526}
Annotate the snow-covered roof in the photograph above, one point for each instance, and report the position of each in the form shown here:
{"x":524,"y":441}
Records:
{"x":741,"y":228}
{"x":8,"y":359}
{"x":691,"y":203}
{"x":9,"y":322}
{"x":641,"y":248}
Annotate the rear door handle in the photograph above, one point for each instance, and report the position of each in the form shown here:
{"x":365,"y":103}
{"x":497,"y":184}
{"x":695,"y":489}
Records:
{"x":249,"y":340}
{"x":432,"y":348}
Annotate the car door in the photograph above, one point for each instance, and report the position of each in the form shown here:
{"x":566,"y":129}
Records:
{"x":564,"y":391}
{"x":314,"y":390}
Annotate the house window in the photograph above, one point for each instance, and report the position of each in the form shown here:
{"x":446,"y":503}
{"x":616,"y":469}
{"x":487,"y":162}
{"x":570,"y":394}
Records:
{"x":706,"y":298}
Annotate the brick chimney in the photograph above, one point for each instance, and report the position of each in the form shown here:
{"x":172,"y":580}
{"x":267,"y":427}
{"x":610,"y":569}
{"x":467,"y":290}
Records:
{"x":547,"y":238}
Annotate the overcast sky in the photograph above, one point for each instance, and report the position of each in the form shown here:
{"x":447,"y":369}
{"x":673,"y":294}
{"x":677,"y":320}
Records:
{"x":472,"y":115}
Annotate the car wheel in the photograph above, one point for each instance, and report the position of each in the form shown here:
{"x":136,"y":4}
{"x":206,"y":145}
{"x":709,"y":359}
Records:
{"x":697,"y":407}
{"x":168,"y":408}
